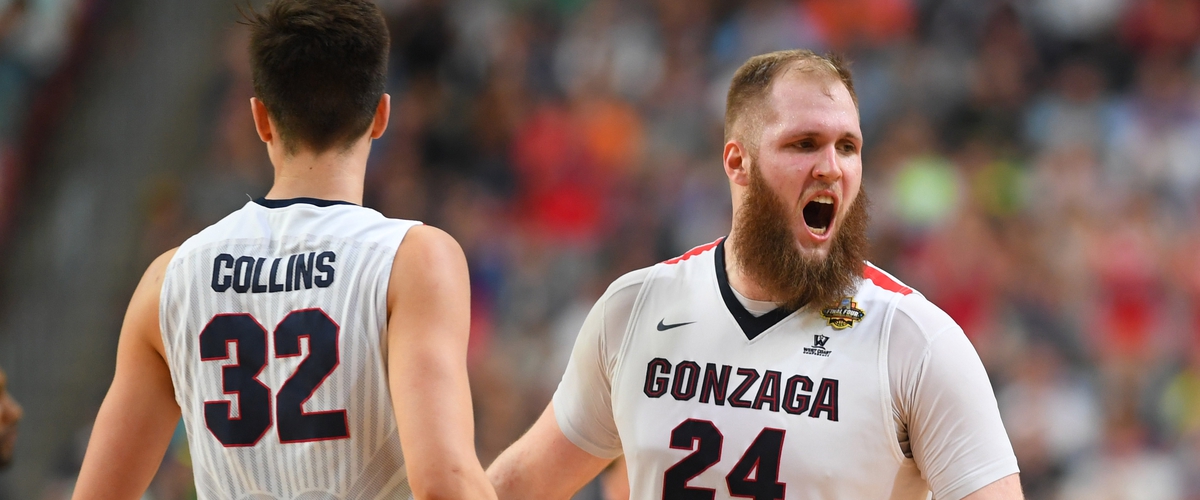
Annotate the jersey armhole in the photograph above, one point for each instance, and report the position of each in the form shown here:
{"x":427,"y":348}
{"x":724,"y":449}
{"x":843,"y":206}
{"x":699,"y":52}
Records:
{"x":626,"y":336}
{"x":164,"y":300}
{"x":385,"y":280}
{"x":888,"y":400}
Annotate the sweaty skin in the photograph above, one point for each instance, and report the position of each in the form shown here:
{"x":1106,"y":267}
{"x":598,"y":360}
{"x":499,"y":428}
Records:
{"x":809,"y":145}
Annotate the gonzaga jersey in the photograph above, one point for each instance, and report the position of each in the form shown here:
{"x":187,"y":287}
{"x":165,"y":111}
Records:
{"x":706,"y":400}
{"x":273,"y":321}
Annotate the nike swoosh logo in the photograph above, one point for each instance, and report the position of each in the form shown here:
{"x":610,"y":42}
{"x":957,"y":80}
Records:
{"x":662,"y":327}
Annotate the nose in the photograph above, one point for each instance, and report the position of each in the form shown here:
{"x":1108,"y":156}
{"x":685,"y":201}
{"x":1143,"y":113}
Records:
{"x":827,"y":168}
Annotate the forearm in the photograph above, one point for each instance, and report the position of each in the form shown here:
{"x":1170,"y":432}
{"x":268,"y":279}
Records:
{"x":139,"y":412}
{"x":126,"y":447}
{"x":513,"y":480}
{"x":543,"y":464}
{"x":507,"y":478}
{"x":438,"y":440}
{"x":440,"y":459}
{"x":459,"y":481}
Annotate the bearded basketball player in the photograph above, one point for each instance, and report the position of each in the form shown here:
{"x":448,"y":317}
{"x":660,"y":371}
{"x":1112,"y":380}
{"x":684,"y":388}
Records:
{"x":775,"y":363}
{"x":314,"y":348}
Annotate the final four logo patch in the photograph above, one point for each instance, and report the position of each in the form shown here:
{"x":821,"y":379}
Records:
{"x":844,"y":315}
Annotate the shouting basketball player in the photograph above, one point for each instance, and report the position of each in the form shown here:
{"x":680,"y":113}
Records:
{"x":775,"y":363}
{"x":314,"y":348}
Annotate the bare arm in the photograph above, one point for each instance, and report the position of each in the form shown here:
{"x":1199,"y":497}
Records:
{"x":543,"y":464}
{"x":139,"y":413}
{"x":1006,"y":488}
{"x":576,"y":437}
{"x":428,"y":326}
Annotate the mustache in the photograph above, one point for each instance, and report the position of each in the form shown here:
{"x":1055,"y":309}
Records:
{"x":808,"y":192}
{"x":769,"y":255}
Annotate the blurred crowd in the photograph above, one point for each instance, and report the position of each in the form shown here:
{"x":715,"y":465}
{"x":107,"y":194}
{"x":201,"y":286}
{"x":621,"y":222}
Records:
{"x":40,"y":45}
{"x":1034,"y":169}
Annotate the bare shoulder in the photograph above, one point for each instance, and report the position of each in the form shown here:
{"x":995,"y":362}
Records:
{"x":158,"y":268}
{"x":428,"y":244}
{"x":150,"y":287}
{"x":141,"y":320}
{"x":428,"y":260}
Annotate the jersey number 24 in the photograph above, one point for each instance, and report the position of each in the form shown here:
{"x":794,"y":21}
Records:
{"x":254,"y":399}
{"x":761,"y":460}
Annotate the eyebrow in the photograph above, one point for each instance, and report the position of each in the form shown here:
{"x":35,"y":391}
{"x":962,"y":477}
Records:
{"x":806,"y":133}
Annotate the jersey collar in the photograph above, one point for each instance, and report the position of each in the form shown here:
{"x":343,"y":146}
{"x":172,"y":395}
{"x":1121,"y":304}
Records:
{"x":308,"y":201}
{"x":751,"y":325}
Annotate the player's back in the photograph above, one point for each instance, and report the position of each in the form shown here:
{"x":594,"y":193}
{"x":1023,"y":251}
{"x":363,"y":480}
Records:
{"x":273,"y":322}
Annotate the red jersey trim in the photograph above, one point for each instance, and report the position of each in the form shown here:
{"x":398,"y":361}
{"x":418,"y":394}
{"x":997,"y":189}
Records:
{"x":694,"y":252}
{"x":884,"y":281}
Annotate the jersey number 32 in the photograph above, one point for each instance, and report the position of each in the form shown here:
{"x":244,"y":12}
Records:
{"x":254,"y":399}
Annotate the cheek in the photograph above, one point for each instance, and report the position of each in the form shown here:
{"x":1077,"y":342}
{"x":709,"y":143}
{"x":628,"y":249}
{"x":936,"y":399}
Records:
{"x":786,"y":183}
{"x":852,"y":179}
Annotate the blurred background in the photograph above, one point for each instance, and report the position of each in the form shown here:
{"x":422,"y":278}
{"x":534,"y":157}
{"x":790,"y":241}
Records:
{"x":1034,"y":167}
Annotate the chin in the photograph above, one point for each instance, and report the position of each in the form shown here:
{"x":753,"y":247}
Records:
{"x":808,"y":247}
{"x":814,"y":251}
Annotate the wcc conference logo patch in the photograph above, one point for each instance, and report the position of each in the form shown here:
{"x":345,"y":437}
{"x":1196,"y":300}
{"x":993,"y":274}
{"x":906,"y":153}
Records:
{"x":844,"y":315}
{"x":818,"y":347}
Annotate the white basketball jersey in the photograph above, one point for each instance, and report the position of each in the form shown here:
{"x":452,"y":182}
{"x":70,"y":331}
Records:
{"x":713,"y":402}
{"x":273,"y":320}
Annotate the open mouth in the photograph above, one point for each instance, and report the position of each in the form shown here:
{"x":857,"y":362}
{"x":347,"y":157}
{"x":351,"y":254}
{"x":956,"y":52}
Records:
{"x":818,"y":214}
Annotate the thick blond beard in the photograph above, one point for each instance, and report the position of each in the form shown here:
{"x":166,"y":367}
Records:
{"x":767,"y":253}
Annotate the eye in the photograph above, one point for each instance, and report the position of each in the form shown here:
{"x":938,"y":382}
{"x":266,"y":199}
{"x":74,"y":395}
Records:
{"x":849,"y":147}
{"x":805,"y":144}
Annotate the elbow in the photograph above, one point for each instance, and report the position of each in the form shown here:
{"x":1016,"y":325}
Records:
{"x":452,"y":484}
{"x":450,"y":492}
{"x":438,"y":494}
{"x":504,"y":487}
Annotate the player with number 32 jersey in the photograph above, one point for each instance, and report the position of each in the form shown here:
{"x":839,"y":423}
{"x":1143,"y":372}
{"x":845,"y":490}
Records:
{"x":271,"y":324}
{"x":313,"y":348}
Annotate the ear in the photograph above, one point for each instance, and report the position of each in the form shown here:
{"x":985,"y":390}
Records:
{"x":737,"y":162}
{"x":262,"y":120}
{"x":383,"y":113}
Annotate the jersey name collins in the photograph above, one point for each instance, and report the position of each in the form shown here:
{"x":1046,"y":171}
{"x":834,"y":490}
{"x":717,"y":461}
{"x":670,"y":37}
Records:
{"x":248,"y":274}
{"x":274,"y":323}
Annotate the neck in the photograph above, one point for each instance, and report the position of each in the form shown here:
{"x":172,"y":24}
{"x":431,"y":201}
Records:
{"x":331,"y":175}
{"x":738,"y":280}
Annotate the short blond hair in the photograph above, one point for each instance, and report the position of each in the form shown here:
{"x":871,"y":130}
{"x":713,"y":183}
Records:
{"x":753,"y":80}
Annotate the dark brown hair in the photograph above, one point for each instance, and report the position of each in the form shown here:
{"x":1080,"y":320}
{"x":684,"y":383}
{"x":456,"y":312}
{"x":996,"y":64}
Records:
{"x":753,"y":80}
{"x":320,"y":67}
